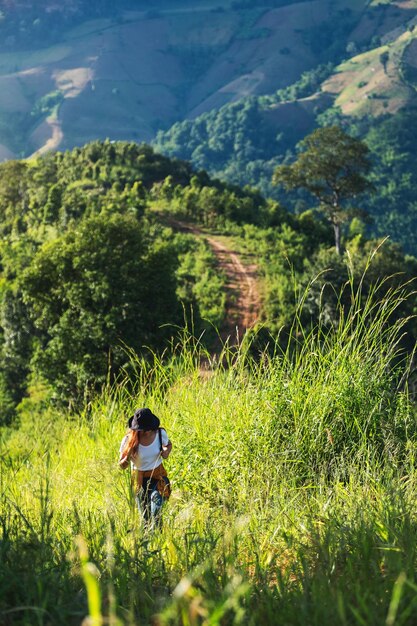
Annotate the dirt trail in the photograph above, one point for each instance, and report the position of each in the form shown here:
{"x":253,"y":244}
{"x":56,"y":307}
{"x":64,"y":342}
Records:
{"x":243,"y":300}
{"x":49,"y":136}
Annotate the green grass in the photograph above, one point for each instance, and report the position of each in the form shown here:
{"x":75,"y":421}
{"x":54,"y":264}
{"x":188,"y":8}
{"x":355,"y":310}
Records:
{"x":294,"y":490}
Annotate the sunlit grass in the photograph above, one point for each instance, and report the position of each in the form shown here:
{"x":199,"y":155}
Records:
{"x":293,"y":477}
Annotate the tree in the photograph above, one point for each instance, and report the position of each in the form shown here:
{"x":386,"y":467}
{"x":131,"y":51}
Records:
{"x":101,"y":286}
{"x":13,"y":196}
{"x":16,"y":336}
{"x":384,"y":58}
{"x":332,"y":166}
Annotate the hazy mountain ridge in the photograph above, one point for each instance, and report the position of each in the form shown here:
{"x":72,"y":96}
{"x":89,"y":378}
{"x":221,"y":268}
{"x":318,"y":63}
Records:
{"x":128,"y":75}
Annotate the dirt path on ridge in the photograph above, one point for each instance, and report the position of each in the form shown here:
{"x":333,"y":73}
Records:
{"x":242,"y":294}
{"x":243,"y":301}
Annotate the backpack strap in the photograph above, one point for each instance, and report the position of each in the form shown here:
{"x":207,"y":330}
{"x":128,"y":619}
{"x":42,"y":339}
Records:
{"x":160,"y":439}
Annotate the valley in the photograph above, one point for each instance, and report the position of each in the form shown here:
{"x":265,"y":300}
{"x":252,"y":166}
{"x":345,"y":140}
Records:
{"x":126,"y":77}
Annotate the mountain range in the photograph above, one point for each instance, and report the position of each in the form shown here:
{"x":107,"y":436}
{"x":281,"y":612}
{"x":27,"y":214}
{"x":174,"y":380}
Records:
{"x":232,"y":88}
{"x":129,"y":73}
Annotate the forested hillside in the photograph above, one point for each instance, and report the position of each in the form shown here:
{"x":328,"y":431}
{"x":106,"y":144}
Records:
{"x":91,"y":270}
{"x":235,"y":144}
{"x":87,"y":272}
{"x":371,"y":95}
{"x":231,"y":88}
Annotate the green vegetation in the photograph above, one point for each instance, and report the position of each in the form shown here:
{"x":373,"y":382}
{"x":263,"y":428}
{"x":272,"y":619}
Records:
{"x":48,"y":103}
{"x":93,"y":265}
{"x":308,"y":84}
{"x":294,"y":463}
{"x":234,"y":143}
{"x":237,"y":143}
{"x":392,"y":142}
{"x":88,"y":272}
{"x":332,"y":166}
{"x":294,"y":489}
{"x":294,"y":455}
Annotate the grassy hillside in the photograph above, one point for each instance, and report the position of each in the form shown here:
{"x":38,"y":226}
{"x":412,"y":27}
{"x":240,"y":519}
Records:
{"x":376,"y":82}
{"x":294,"y":491}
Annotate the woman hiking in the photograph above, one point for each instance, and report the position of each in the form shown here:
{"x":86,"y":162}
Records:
{"x":144,"y":446}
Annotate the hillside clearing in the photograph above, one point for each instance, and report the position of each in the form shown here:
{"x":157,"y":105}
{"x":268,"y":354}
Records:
{"x":364,"y":85}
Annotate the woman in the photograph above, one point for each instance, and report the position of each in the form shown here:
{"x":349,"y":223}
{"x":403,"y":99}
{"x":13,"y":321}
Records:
{"x":144,"y":446}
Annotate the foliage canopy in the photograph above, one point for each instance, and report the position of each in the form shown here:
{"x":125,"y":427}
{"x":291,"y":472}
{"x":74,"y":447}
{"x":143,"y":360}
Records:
{"x":93,"y":267}
{"x":332,"y":166}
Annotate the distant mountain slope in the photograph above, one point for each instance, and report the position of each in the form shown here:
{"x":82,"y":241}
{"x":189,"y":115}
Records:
{"x":375,"y":82}
{"x":372,"y":94}
{"x":126,"y":75}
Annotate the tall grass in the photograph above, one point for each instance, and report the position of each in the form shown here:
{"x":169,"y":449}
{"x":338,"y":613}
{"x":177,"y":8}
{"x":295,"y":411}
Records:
{"x":294,"y":489}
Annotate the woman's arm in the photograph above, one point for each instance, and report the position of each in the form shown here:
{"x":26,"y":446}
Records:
{"x":123,"y":458}
{"x":124,"y":462}
{"x":166,"y":450}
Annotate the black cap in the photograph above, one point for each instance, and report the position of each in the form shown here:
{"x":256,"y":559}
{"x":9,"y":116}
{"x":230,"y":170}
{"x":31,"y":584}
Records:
{"x":143,"y":419}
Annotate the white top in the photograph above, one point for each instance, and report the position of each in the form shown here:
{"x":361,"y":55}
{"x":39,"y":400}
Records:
{"x":147,"y":457}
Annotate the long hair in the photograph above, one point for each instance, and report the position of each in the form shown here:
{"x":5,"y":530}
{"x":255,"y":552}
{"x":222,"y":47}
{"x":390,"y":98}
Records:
{"x":131,"y":445}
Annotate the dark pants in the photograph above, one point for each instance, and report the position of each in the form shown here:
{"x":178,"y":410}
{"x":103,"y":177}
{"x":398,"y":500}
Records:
{"x":150,"y":502}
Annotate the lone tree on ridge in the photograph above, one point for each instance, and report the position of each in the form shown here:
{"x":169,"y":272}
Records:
{"x":332,"y":166}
